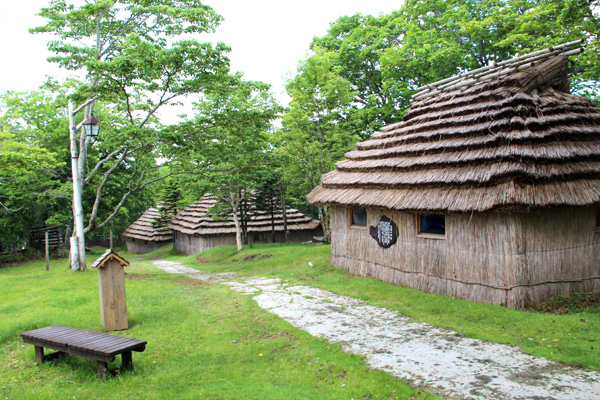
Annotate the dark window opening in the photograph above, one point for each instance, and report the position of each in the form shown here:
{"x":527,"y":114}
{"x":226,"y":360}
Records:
{"x":433,"y":224}
{"x":597,"y":220}
{"x":359,"y":217}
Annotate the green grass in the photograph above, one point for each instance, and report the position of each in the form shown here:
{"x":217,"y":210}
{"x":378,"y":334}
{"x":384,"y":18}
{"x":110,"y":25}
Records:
{"x":204,"y":340}
{"x":573,"y":338}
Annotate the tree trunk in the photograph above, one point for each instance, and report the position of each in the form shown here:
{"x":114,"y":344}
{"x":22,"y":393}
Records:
{"x":238,"y":231}
{"x":244,"y":219}
{"x":283,"y":210}
{"x":272,"y":207}
{"x":325,"y":223}
{"x":77,"y":206}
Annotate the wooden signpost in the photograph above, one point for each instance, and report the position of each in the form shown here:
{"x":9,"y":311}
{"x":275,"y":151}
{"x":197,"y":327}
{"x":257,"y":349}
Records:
{"x":111,"y":283}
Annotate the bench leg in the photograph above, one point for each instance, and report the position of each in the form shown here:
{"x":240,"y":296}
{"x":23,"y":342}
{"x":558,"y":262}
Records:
{"x":126,"y":361}
{"x":39,"y":355}
{"x":102,"y":369}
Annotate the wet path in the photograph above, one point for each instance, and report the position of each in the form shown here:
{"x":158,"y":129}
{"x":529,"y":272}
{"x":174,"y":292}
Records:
{"x":437,"y":359}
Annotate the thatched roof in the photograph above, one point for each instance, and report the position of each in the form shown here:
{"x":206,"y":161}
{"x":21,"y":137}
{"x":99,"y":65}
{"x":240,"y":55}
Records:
{"x":142,"y":229}
{"x":196,"y":219}
{"x":511,"y":139}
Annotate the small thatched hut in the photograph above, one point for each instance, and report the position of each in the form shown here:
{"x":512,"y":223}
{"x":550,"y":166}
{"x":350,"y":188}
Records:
{"x":486,"y":190}
{"x":195,"y":230}
{"x":142,"y":237}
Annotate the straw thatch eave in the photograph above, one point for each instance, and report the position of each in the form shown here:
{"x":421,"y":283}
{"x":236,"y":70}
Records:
{"x":198,"y":220}
{"x":142,"y":228}
{"x":516,"y":142}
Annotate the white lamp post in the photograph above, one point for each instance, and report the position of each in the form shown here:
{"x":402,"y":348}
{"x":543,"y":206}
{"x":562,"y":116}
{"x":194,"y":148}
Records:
{"x":90,"y":128}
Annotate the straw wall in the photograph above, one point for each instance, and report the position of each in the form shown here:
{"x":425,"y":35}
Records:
{"x":193,"y":244}
{"x":143,"y":246}
{"x":498,"y":258}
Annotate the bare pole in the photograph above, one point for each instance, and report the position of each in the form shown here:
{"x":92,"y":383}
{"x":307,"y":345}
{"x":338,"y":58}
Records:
{"x":47,"y":247}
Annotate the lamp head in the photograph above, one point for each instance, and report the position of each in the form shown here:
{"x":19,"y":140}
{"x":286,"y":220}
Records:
{"x":90,"y":126}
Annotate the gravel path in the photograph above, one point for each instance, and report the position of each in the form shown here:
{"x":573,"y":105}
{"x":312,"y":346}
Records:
{"x":436,"y":359}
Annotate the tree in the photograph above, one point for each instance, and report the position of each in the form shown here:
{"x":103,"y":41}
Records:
{"x":22,"y":162}
{"x":386,"y":58}
{"x":316,"y":129}
{"x":31,"y":163}
{"x":132,"y":63}
{"x":168,"y":205}
{"x":41,"y":195}
{"x":268,"y":197}
{"x":353,"y":48}
{"x":229,"y":141}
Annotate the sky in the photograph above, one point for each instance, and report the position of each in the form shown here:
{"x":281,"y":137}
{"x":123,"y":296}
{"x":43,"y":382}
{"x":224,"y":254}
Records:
{"x":268,"y":37}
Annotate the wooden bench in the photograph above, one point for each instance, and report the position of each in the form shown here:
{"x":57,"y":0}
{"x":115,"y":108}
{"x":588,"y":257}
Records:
{"x":101,"y":347}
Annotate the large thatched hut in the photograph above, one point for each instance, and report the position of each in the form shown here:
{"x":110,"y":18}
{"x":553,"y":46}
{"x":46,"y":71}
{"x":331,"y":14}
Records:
{"x":486,"y":190}
{"x":143,"y":237}
{"x":195,"y":230}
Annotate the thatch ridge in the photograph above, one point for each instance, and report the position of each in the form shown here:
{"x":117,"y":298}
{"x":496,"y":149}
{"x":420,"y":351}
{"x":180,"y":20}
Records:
{"x":516,"y":141}
{"x":142,"y":228}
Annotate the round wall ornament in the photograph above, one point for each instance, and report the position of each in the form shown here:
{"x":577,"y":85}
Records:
{"x":386,"y":233}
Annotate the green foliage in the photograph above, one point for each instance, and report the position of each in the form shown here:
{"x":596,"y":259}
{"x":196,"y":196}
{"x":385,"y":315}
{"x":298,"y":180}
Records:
{"x":19,"y":157}
{"x":138,"y":57}
{"x":386,"y":58}
{"x":32,"y":163}
{"x":168,"y":204}
{"x":316,"y":131}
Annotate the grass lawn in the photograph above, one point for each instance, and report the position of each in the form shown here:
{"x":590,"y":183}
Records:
{"x":573,"y":338}
{"x":204,"y":340}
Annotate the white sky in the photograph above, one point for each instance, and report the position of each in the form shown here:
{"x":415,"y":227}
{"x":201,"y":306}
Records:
{"x":267,"y":37}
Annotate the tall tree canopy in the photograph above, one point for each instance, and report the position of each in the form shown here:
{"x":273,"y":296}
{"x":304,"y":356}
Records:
{"x":386,"y":58}
{"x":137,"y":56}
{"x":228,"y":141}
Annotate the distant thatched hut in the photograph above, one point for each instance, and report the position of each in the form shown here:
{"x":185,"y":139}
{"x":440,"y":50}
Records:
{"x":195,"y":231}
{"x":486,"y":190}
{"x":142,"y":237}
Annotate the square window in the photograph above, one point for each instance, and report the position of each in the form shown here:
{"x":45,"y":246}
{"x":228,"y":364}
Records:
{"x":432,"y":224}
{"x":358,"y":217}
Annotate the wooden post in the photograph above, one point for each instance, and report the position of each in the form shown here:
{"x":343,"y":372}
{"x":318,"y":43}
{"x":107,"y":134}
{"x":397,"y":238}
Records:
{"x":111,"y":285}
{"x":47,"y":252}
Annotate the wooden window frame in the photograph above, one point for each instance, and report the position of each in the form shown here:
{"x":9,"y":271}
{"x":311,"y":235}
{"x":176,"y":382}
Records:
{"x":437,"y":236}
{"x":351,"y":216}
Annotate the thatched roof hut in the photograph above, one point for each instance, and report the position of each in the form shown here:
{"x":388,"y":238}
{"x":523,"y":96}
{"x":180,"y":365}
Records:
{"x":142,"y":237}
{"x":502,"y":164}
{"x":195,"y":230}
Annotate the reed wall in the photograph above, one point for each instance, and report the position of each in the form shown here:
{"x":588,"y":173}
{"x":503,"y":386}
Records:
{"x":499,"y":258}
{"x":138,"y":246}
{"x":193,"y":244}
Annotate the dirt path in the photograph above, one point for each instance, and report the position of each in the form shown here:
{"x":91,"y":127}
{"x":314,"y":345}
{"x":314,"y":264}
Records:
{"x":439,"y":360}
